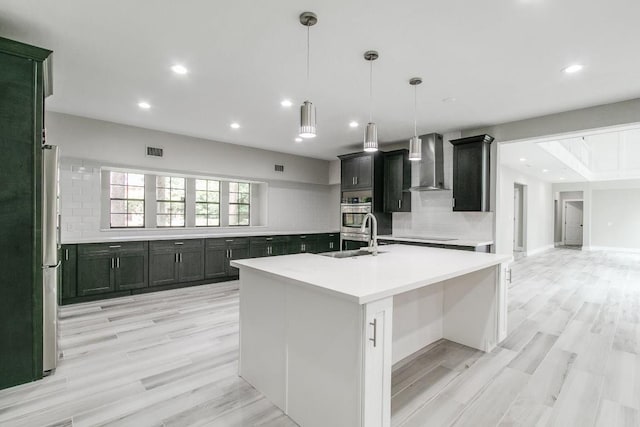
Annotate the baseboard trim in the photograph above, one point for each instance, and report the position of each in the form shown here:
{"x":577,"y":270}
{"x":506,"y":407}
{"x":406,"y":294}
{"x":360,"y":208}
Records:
{"x":611,"y":249}
{"x":539,"y":250}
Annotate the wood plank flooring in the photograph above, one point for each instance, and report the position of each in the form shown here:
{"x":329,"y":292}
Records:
{"x":572,"y":358}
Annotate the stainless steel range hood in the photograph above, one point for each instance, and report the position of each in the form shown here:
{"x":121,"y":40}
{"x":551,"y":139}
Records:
{"x":428,"y":174}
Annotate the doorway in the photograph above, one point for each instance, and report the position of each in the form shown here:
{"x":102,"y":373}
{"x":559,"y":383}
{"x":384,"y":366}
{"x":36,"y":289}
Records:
{"x":573,"y":222}
{"x":519,"y":218}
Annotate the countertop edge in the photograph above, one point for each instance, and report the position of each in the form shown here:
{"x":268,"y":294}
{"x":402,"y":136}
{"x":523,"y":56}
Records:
{"x":453,"y":242}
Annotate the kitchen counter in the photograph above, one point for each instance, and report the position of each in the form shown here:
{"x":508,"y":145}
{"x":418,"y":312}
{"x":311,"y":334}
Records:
{"x":319,"y":335}
{"x":439,"y":241}
{"x":149,"y":236}
{"x":396,"y":269}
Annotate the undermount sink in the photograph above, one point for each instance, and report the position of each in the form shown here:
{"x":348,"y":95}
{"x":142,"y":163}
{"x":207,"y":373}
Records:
{"x":348,"y":254}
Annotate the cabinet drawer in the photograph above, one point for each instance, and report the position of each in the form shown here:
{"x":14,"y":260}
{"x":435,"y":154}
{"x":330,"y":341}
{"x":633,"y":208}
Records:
{"x":172,"y":245}
{"x":242,"y":242}
{"x":90,"y":249}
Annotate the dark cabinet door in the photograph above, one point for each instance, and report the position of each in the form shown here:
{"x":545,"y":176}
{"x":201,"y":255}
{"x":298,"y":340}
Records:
{"x":131,"y":271}
{"x":364,"y":177}
{"x":471,"y":174}
{"x":351,"y":245}
{"x":191,"y":265}
{"x":334,"y":242}
{"x":216,"y":260}
{"x":397,"y":180}
{"x":96,"y":274}
{"x":279,"y":247}
{"x":237,"y":251}
{"x":163,"y":268}
{"x":259,"y":249}
{"x":349,"y":172}
{"x":68,"y":276}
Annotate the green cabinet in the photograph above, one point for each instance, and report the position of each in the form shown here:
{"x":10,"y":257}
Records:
{"x":472,"y":173}
{"x":397,"y":181}
{"x":68,"y":271}
{"x":110,"y":267}
{"x":176,"y":261}
{"x":304,"y":243}
{"x":21,"y":125}
{"x":238,"y":249}
{"x":328,"y":242}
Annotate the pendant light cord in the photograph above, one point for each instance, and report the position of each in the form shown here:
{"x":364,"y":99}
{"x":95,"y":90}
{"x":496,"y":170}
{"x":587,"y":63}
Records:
{"x":308,"y":55}
{"x":370,"y":91}
{"x":415,"y":109}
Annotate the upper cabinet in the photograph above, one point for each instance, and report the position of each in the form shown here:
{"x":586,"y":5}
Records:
{"x":397,"y":180}
{"x":471,"y":173}
{"x":357,"y":171}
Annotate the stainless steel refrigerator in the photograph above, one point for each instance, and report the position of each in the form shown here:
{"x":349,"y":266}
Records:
{"x":50,"y":262}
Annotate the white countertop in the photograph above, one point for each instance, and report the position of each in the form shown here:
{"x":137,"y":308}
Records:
{"x":151,"y":236}
{"x":363,"y":279}
{"x":439,"y":241}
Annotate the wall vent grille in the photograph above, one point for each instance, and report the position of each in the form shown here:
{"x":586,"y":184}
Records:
{"x":279,"y":168}
{"x":155,"y":152}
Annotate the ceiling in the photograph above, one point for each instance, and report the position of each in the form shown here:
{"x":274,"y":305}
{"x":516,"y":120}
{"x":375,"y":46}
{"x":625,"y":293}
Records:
{"x":501,"y":60}
{"x":531,"y":159}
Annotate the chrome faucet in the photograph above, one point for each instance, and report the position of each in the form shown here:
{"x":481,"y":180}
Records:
{"x":373,"y":236}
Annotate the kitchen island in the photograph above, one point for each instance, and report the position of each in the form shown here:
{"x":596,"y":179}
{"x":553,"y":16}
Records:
{"x":319,"y":335}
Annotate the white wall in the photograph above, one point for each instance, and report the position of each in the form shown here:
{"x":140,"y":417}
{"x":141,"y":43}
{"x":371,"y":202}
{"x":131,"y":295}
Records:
{"x":538,"y":213}
{"x":432,"y":212}
{"x":611,"y":213}
{"x":299,"y":200}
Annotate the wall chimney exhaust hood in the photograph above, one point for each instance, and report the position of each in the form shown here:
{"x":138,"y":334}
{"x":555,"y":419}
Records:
{"x":428,"y":173}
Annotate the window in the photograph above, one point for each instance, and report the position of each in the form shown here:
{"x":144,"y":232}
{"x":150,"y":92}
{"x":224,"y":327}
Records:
{"x":170,"y":193}
{"x":126,"y":194}
{"x":239,"y":202}
{"x":207,"y":203}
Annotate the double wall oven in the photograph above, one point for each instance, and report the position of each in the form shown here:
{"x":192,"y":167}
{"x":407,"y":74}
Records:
{"x":352,"y":215}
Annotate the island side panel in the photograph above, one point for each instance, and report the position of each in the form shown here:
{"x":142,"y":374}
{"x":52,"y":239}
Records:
{"x":417,"y":320}
{"x":263,"y":335}
{"x":324,"y":356}
{"x":471,"y":308}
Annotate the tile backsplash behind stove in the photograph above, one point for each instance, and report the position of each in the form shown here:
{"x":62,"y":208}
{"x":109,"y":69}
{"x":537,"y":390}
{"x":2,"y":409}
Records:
{"x":432,"y":216}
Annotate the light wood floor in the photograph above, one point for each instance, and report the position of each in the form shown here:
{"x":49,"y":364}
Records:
{"x":572,"y":358}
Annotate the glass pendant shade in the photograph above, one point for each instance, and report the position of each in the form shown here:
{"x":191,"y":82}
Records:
{"x":415,"y":148}
{"x":307,"y":120}
{"x":371,"y":137}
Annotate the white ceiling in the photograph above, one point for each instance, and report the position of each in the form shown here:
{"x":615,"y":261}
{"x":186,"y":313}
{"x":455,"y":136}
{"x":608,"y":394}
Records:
{"x":536,"y":161}
{"x":501,"y":60}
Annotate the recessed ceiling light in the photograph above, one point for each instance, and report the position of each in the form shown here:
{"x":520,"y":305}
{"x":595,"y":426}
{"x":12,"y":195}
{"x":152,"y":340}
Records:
{"x":449,"y":100}
{"x":522,"y":159}
{"x":235,"y":125}
{"x":545,"y":170}
{"x":298,"y":140}
{"x":562,"y":178}
{"x":574,"y":68}
{"x":286,"y":103}
{"x":144,"y":105}
{"x":179,"y":69}
{"x":353,"y":124}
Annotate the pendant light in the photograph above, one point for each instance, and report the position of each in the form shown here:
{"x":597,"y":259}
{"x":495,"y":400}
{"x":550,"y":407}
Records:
{"x":307,"y":109}
{"x":415,"y":143}
{"x":371,"y":131}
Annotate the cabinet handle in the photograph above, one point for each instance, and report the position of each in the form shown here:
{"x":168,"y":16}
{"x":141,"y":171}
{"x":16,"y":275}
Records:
{"x":66,"y":254}
{"x":375,"y":332}
{"x":454,"y":202}
{"x":399,"y":204}
{"x":118,"y":262}
{"x":114,"y":246}
{"x":330,"y":245}
{"x":113,"y":264}
{"x":230,"y":253}
{"x":175,"y":257}
{"x":179,"y":243}
{"x":180,"y":257}
{"x":356,"y":180}
{"x":509,"y":277}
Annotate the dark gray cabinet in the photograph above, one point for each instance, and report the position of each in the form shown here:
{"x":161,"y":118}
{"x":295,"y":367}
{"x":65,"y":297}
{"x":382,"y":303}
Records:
{"x":397,"y":181}
{"x":176,"y":261}
{"x":357,"y":171}
{"x":269,"y":246}
{"x":304,"y":243}
{"x":328,"y":243}
{"x":68,"y":271}
{"x":112,"y":267}
{"x":472,"y":173}
{"x":220,"y":252}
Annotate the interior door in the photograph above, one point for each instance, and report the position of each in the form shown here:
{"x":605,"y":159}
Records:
{"x":518,"y":213}
{"x":573,"y":222}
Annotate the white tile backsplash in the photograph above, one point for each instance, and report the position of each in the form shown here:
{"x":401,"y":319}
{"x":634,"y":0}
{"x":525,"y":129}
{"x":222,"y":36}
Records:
{"x":432,"y":215}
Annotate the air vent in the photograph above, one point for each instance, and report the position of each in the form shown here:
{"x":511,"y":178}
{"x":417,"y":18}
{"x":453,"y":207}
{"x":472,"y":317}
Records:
{"x":154,"y":151}
{"x":279,"y":168}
